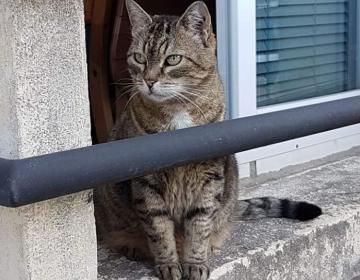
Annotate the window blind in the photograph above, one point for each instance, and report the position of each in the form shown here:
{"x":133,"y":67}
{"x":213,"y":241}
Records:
{"x":302,"y":49}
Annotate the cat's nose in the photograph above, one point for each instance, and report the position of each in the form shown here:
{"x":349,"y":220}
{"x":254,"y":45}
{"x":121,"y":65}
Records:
{"x":150,"y":84}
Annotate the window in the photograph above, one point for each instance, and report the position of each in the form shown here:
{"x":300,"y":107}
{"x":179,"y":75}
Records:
{"x":305,"y":48}
{"x":279,"y":54}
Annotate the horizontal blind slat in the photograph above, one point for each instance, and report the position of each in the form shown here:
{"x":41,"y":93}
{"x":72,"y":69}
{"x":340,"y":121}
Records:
{"x":279,"y":44}
{"x":299,"y":73}
{"x":300,"y":31}
{"x":284,"y":65}
{"x":263,"y":4}
{"x":305,"y":82}
{"x":301,"y":10}
{"x":299,"y":94}
{"x":278,"y":22}
{"x":300,"y":52}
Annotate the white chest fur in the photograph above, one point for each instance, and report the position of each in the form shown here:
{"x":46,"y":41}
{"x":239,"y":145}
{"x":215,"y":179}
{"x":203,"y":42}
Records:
{"x":181,"y":120}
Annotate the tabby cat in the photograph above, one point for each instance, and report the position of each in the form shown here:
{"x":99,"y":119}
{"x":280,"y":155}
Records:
{"x":179,"y":216}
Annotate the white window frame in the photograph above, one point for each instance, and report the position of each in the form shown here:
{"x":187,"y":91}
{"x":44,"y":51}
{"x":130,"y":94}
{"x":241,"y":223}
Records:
{"x":236,"y":31}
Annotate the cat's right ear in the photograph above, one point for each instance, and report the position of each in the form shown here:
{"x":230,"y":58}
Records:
{"x":138,"y":17}
{"x":197,"y":20}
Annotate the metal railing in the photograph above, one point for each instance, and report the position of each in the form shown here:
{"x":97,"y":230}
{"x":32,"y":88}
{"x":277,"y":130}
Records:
{"x":31,"y":180}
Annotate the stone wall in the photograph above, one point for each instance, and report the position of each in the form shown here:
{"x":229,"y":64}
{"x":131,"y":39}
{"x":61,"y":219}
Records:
{"x":44,"y":108}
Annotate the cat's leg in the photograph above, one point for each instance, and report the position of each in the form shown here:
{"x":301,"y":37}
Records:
{"x":226,"y":200}
{"x":118,"y":227}
{"x":133,"y":245}
{"x":159,"y":229}
{"x":217,"y":239}
{"x":198,"y":227}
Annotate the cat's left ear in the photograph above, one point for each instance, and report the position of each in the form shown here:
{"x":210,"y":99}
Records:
{"x":139,"y":19}
{"x":197,"y":19}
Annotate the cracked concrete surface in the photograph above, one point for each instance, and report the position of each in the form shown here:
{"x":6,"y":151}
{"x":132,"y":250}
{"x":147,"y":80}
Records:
{"x":327,"y":248}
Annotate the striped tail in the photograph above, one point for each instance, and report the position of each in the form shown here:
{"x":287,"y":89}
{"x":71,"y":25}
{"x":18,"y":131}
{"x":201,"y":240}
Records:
{"x":269,"y":207}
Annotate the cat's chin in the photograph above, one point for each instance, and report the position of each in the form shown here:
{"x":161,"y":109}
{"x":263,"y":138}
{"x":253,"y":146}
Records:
{"x":156,"y":97}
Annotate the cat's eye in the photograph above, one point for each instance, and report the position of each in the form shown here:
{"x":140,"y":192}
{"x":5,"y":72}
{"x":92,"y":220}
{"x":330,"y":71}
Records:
{"x":173,"y":60}
{"x":139,"y":58}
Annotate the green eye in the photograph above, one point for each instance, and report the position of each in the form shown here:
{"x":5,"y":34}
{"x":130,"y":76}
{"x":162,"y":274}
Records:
{"x":173,"y":60}
{"x":139,"y":58}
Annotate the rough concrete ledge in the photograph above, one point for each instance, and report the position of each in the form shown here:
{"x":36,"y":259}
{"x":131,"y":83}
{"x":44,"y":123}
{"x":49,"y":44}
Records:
{"x":327,"y":248}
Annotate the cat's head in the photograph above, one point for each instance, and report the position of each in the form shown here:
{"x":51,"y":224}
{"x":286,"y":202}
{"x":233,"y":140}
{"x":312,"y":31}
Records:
{"x":171,"y":57}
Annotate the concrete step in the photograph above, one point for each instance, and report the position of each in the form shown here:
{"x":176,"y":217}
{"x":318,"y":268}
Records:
{"x":327,"y":248}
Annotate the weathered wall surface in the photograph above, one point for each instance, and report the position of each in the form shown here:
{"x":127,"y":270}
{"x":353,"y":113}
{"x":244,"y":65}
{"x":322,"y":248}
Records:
{"x":44,"y":108}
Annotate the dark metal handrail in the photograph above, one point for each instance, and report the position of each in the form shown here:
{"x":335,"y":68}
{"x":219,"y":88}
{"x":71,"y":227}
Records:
{"x":31,"y":180}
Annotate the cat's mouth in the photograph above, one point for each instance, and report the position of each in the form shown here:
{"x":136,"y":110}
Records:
{"x":155,"y":93}
{"x":157,"y":96}
{"x":162,"y":92}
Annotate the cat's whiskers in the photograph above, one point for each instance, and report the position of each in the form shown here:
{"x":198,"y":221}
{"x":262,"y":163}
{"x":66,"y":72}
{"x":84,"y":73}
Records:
{"x":191,"y":102}
{"x":131,"y":98}
{"x":122,"y":81}
{"x":190,"y":92}
{"x":124,"y":85}
{"x":193,"y":87}
{"x":129,"y":87}
{"x":173,"y":94}
{"x":129,"y":90}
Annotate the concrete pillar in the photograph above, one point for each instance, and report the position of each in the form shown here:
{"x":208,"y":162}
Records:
{"x":44,"y":108}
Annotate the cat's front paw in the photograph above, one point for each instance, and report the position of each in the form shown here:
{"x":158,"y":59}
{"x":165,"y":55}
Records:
{"x":195,"y":271}
{"x":169,"y":271}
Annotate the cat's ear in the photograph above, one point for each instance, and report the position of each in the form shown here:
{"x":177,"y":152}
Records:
{"x":197,"y":19}
{"x":138,"y":17}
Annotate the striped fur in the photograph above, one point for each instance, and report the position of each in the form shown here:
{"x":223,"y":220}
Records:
{"x":182,"y":215}
{"x":270,"y":207}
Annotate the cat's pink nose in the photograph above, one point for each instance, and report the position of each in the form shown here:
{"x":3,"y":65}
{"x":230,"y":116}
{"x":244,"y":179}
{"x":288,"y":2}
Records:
{"x":150,"y":84}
